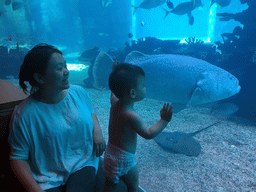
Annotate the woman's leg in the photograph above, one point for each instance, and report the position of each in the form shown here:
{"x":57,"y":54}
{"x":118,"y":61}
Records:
{"x":82,"y":180}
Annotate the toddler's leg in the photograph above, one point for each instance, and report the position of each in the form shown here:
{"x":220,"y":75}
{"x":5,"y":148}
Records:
{"x":131,"y":180}
{"x":109,"y":186}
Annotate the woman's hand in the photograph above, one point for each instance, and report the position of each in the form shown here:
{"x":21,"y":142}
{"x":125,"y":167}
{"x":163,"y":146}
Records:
{"x":99,"y":144}
{"x":98,"y":139}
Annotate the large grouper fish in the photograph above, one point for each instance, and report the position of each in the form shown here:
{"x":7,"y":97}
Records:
{"x":174,"y":78}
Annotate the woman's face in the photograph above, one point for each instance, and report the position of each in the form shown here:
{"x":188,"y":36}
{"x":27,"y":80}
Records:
{"x":56,"y":75}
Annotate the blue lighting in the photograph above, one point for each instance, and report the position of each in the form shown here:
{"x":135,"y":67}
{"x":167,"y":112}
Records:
{"x":133,"y":28}
{"x":174,"y":27}
{"x":76,"y":67}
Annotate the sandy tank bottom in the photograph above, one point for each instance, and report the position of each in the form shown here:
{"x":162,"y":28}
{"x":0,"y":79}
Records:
{"x":227,"y":161}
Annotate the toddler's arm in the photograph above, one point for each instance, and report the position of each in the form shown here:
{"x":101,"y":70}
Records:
{"x":113,"y":99}
{"x":151,"y":132}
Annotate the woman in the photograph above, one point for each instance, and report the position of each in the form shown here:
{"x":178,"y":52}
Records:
{"x":55,"y":135}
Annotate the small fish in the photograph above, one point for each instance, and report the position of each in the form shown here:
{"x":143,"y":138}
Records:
{"x":10,"y":77}
{"x":222,"y":3}
{"x":142,"y":23}
{"x":253,"y":59}
{"x":7,"y":2}
{"x":9,"y":38}
{"x":16,"y":5}
{"x":191,"y":20}
{"x":103,"y":34}
{"x":130,"y":35}
{"x":169,"y":4}
{"x":105,"y":3}
{"x":148,"y":4}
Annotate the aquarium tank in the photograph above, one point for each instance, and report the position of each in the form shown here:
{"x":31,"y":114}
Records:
{"x":198,"y":55}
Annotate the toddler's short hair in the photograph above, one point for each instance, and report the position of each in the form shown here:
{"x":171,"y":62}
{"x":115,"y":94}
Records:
{"x":123,"y":78}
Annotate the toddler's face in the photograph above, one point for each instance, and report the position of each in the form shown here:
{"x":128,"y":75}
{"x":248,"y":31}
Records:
{"x":140,"y":89}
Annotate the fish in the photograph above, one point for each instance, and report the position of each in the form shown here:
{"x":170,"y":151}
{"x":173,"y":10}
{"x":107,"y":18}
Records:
{"x":9,"y":38}
{"x":8,"y":2}
{"x":103,"y":34}
{"x":142,"y":23}
{"x":178,"y":142}
{"x":169,"y":4}
{"x":253,"y":58}
{"x":184,"y":143}
{"x":181,"y":9}
{"x":222,"y":3}
{"x":197,"y":3}
{"x":172,"y":78}
{"x":89,"y":54}
{"x":184,"y":8}
{"x":148,"y":4}
{"x":105,"y":3}
{"x":191,"y":20}
{"x":130,"y":35}
{"x":16,"y":5}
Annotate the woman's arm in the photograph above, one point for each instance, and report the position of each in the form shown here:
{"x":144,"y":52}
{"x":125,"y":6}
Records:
{"x":23,"y":172}
{"x":98,"y":139}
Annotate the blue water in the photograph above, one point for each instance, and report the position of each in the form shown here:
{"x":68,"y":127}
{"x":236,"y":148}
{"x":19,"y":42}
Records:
{"x":78,"y":25}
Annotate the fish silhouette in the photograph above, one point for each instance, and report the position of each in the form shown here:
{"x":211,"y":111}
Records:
{"x":8,"y":2}
{"x":16,"y":5}
{"x":222,"y":3}
{"x":173,"y":78}
{"x":184,"y":143}
{"x":148,"y":4}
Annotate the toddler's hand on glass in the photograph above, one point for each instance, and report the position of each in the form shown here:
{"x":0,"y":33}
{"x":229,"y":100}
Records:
{"x":166,"y":112}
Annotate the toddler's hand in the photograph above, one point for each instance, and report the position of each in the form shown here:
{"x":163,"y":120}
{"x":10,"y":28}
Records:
{"x":166,"y":112}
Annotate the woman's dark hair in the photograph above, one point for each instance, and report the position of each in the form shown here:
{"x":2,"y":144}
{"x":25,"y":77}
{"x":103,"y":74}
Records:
{"x":123,"y":78}
{"x":36,"y":61}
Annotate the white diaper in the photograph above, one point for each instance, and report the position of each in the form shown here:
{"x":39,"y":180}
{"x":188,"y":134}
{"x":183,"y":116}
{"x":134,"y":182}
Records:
{"x":117,"y":162}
